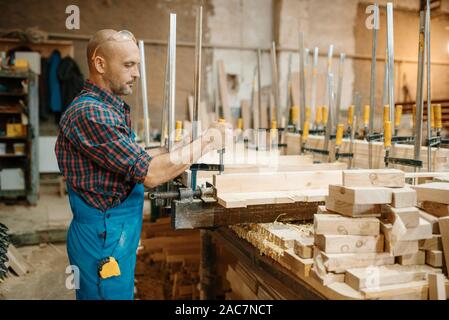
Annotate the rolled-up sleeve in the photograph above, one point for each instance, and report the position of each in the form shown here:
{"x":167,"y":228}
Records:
{"x":100,"y":136}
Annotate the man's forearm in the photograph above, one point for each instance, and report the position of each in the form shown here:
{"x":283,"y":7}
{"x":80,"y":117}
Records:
{"x":167,"y":166}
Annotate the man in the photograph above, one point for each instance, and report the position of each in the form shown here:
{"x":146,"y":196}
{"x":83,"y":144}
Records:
{"x":106,"y":170}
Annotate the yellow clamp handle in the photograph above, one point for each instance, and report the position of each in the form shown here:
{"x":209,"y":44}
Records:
{"x":308,"y":112}
{"x":397,"y":116}
{"x":178,"y":129}
{"x":324,"y":113}
{"x":366,"y":111}
{"x":387,"y":134}
{"x":319,"y":115}
{"x":221,"y":120}
{"x":350,"y":115}
{"x":305,"y":131}
{"x":339,"y":135}
{"x":240,"y":123}
{"x":295,"y":114}
{"x":274,"y":124}
{"x":438,"y":117}
{"x":414,"y":114}
{"x":432,"y":116}
{"x":386,"y":113}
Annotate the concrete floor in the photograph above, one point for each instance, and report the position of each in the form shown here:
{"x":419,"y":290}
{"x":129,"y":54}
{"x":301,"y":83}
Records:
{"x":46,"y":279}
{"x":39,"y":225}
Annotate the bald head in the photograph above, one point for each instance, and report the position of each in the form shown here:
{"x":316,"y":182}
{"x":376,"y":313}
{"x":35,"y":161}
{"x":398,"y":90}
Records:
{"x":113,"y":60}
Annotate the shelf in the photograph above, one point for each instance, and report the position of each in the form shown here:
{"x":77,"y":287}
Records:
{"x":11,"y":73}
{"x":13,"y":138}
{"x":13,"y":193}
{"x":12,"y":94}
{"x":12,"y":155}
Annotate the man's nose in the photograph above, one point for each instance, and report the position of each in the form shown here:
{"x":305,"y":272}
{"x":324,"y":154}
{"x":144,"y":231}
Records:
{"x":135,"y":72}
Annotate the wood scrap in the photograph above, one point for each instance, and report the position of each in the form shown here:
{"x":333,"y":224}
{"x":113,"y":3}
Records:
{"x":434,"y":258}
{"x":435,"y":208}
{"x":408,"y":216}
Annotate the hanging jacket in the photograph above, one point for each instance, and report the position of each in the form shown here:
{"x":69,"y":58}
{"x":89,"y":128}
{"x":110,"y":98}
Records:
{"x":54,"y":89}
{"x":71,"y":81}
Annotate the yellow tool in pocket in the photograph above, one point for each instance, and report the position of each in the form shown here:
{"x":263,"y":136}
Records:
{"x":108,"y":268}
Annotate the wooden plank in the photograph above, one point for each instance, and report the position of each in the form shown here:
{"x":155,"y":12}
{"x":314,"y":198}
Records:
{"x":374,"y":277}
{"x":403,"y":197}
{"x":223,"y":89}
{"x":339,"y":263}
{"x":433,"y":243}
{"x":353,"y":210}
{"x":16,"y":261}
{"x":418,"y":258}
{"x":422,"y":231}
{"x":416,"y":290}
{"x":275,"y":181}
{"x":295,"y":263}
{"x":432,"y":220}
{"x":409,"y":217}
{"x":327,"y":279}
{"x":444,"y":230}
{"x":304,"y":247}
{"x":437,"y":290}
{"x":361,"y":195}
{"x":374,"y":178}
{"x":246,"y":114}
{"x":331,"y":224}
{"x":255,"y":110}
{"x":435,"y":191}
{"x":401,"y":248}
{"x":435,"y":208}
{"x":434,"y":258}
{"x":349,"y":243}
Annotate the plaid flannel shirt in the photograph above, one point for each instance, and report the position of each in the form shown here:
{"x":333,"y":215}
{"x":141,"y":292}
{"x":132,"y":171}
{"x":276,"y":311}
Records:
{"x":96,"y":151}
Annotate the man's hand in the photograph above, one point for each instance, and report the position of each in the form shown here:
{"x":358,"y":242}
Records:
{"x":217,"y":135}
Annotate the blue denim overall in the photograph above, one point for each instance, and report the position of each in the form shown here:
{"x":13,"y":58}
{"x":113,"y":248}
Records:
{"x":94,"y":235}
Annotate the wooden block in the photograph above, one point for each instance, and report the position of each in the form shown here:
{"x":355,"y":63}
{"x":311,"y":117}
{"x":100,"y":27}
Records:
{"x":339,"y":263}
{"x":349,"y":243}
{"x":409,"y":216}
{"x":435,"y":191}
{"x":16,"y":261}
{"x":417,"y":290}
{"x":418,"y":258}
{"x":304,"y":248}
{"x":403,"y":197}
{"x":296,"y":264}
{"x":361,"y":195}
{"x":332,"y":224}
{"x":399,"y":233}
{"x":434,"y":258}
{"x":374,"y":178}
{"x":323,"y":210}
{"x":437,"y":290}
{"x":401,"y":248}
{"x":435,"y":208}
{"x":275,"y":181}
{"x":353,"y":210}
{"x":374,"y":277}
{"x":444,"y":230}
{"x":432,"y":220}
{"x":327,"y":279}
{"x":246,"y":114}
{"x":433,"y":243}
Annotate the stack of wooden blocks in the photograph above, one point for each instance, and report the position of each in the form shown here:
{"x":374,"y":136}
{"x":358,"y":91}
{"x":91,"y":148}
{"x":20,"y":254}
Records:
{"x":168,"y":262}
{"x":371,"y":236}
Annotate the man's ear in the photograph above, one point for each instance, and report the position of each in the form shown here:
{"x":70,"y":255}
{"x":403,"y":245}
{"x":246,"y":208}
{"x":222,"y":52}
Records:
{"x":100,"y":64}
